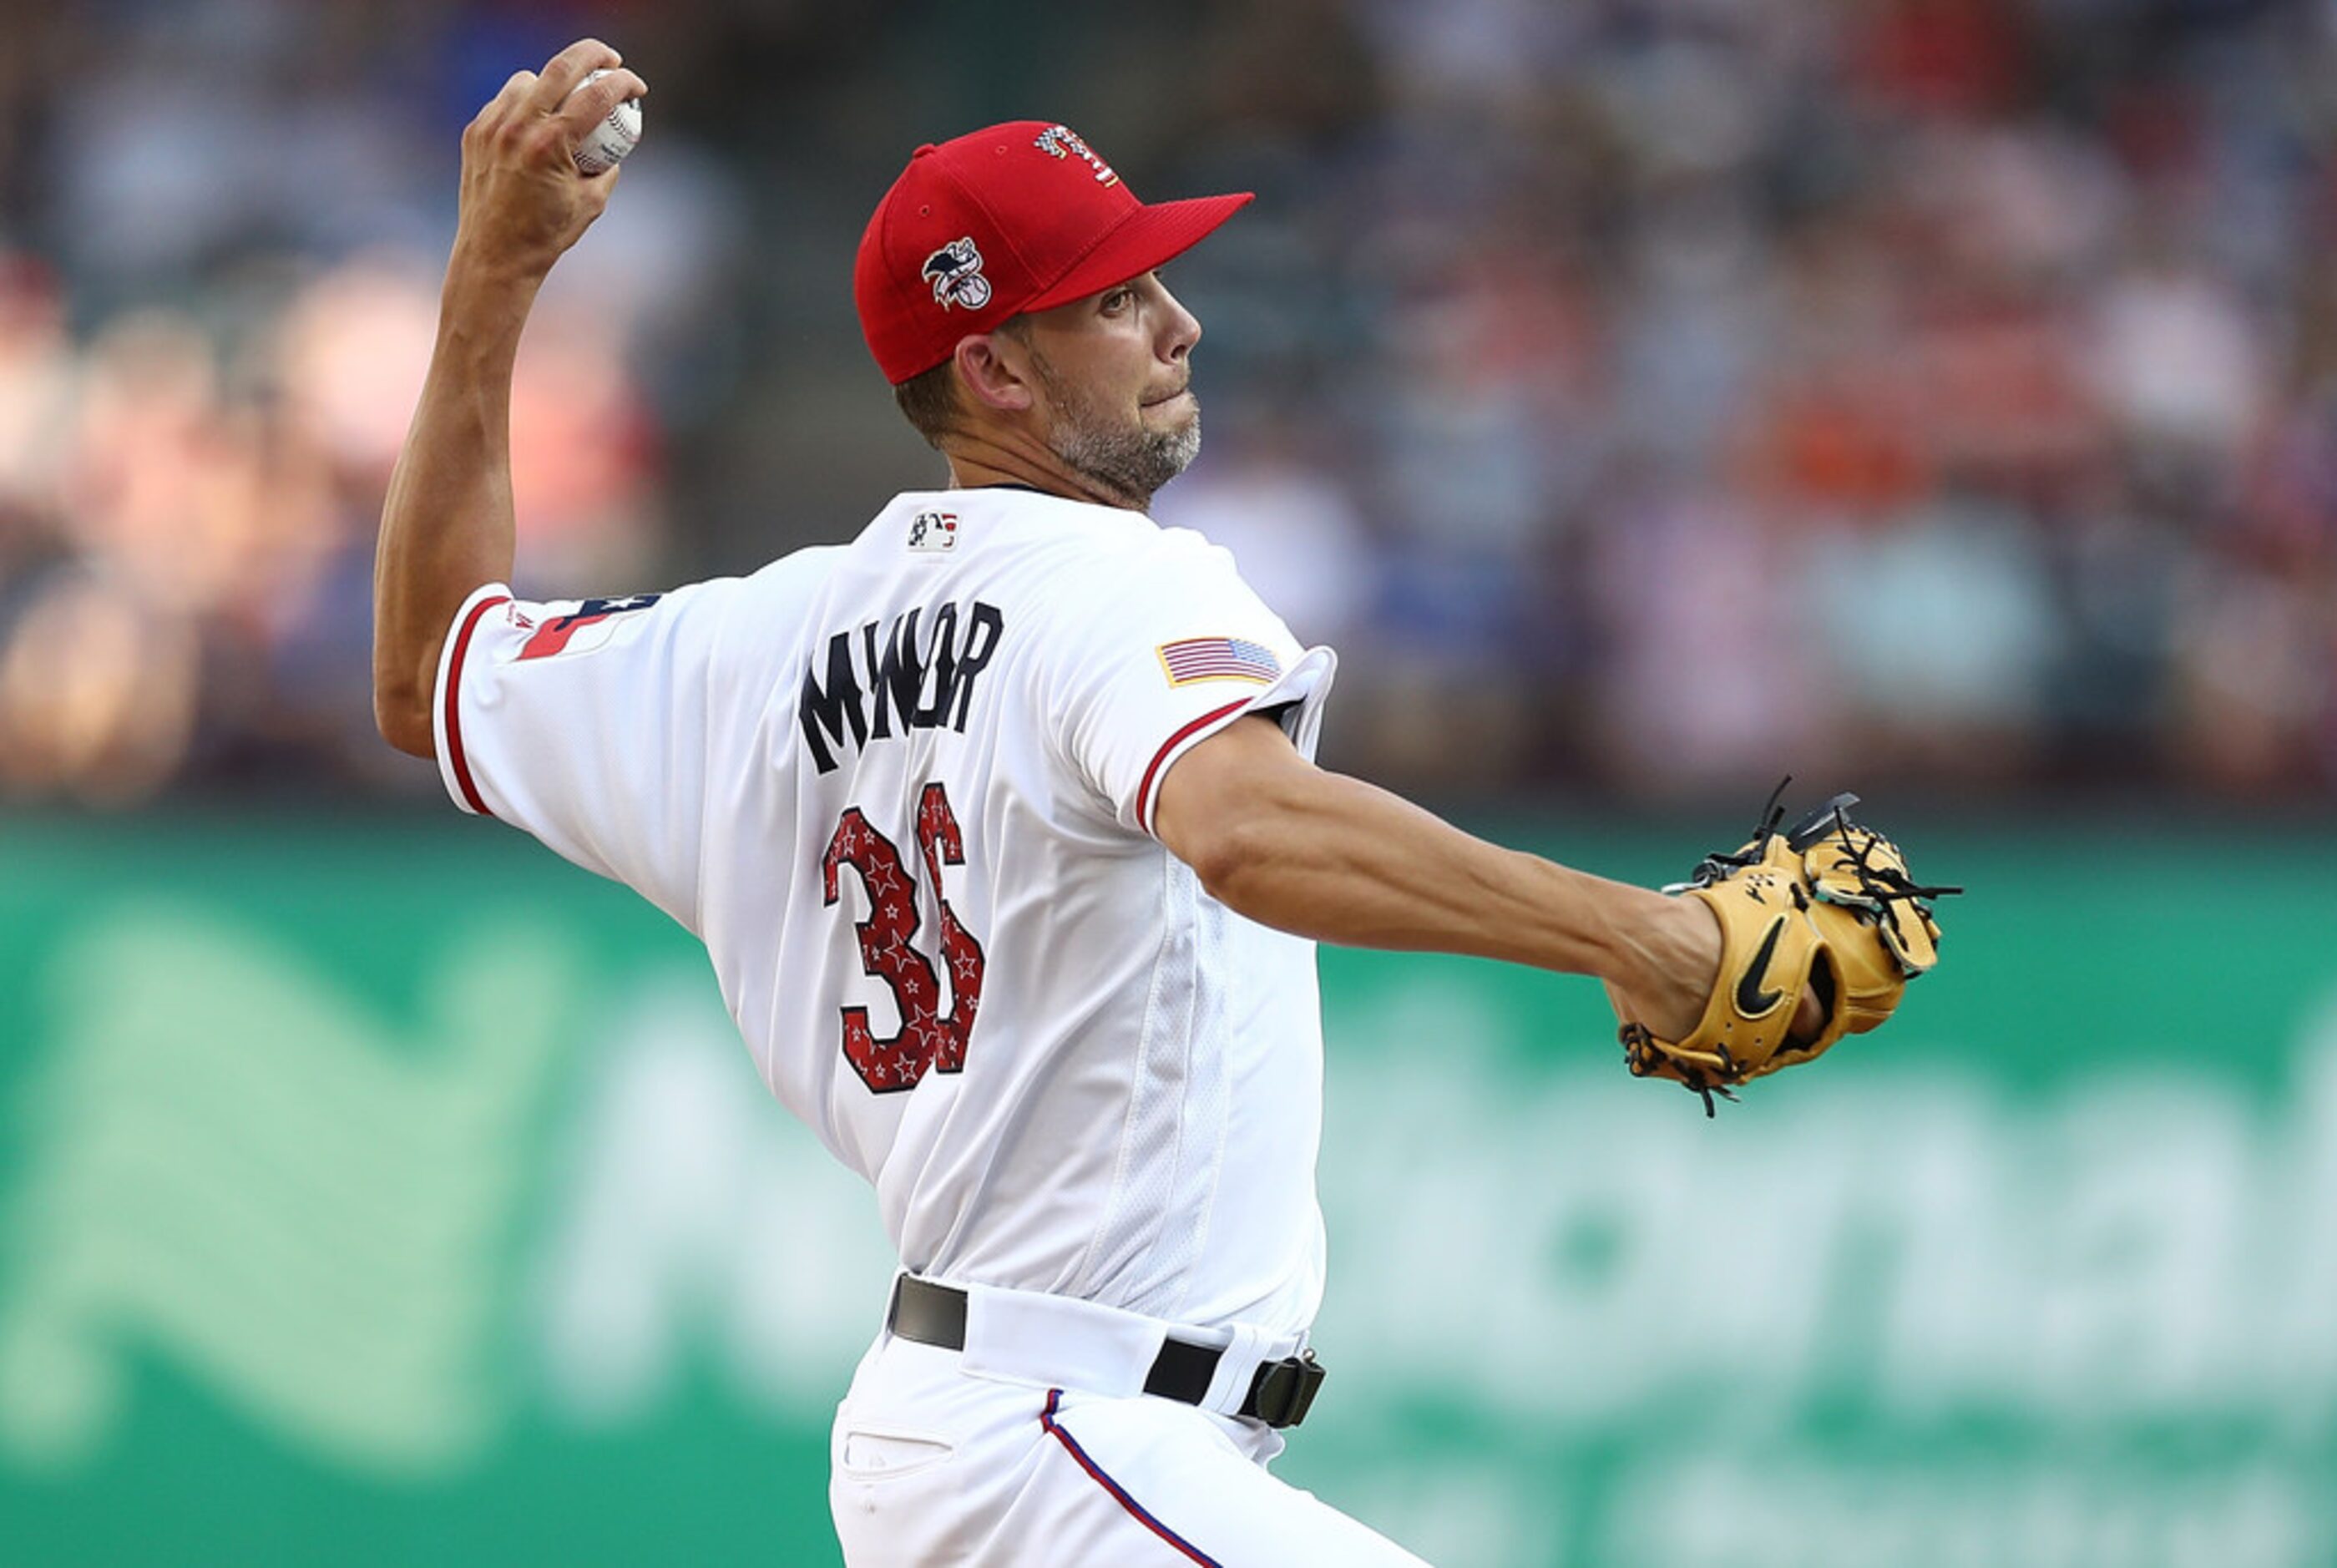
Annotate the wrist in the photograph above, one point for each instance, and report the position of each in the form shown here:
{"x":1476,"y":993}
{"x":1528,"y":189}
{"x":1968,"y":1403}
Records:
{"x":1663,"y":941}
{"x":484,"y":286}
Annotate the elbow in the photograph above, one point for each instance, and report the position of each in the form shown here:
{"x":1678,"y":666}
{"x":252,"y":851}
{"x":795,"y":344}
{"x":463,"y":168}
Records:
{"x":405,"y":729}
{"x":1238,"y":857}
{"x":402,"y":714}
{"x":1217,"y":864}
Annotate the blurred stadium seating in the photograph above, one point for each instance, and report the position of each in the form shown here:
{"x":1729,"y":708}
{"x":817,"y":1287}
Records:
{"x":1647,"y":395}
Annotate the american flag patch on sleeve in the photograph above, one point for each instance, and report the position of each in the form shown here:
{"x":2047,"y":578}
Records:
{"x":1219,"y":658}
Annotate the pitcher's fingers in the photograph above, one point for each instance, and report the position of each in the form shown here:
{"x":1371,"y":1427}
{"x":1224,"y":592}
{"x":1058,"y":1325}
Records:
{"x":499,"y":109}
{"x":514,"y":91}
{"x":599,"y":189}
{"x":1809,"y":1015}
{"x":569,"y":67}
{"x":590,"y":104}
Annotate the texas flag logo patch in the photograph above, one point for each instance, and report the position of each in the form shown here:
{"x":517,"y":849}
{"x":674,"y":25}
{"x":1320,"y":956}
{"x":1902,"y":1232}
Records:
{"x":1198,"y":659}
{"x":589,"y":626}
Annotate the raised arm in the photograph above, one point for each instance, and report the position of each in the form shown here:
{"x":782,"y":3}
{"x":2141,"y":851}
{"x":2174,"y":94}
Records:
{"x":447,"y":524}
{"x":1320,"y":855}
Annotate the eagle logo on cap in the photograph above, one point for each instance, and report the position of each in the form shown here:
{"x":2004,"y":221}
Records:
{"x":955,"y":272}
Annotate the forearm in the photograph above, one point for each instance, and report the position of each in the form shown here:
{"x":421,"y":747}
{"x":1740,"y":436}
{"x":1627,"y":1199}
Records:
{"x":1339,"y":860}
{"x":446,"y":524}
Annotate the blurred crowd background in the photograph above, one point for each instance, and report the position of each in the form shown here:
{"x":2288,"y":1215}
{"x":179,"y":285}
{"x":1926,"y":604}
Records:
{"x":1647,"y":397}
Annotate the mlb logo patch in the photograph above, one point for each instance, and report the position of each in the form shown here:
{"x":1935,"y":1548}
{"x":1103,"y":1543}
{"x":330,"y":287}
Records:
{"x":934,"y":530}
{"x":1199,"y":659}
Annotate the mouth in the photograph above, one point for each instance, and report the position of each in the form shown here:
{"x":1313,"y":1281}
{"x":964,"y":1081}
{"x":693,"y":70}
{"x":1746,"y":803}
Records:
{"x":1170,"y":398}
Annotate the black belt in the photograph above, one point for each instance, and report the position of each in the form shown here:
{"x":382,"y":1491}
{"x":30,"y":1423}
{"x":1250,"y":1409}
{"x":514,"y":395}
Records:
{"x":1279,"y":1394}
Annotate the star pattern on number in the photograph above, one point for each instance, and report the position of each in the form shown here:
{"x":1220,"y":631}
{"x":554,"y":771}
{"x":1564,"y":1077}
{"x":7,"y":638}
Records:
{"x":889,"y":953}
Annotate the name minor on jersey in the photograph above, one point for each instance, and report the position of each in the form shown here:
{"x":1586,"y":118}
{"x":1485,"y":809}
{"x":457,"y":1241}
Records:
{"x":918,"y":679}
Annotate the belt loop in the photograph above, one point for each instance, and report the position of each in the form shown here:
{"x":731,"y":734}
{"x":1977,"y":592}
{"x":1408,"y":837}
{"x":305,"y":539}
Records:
{"x":1230,"y":1386}
{"x":1052,"y":1340}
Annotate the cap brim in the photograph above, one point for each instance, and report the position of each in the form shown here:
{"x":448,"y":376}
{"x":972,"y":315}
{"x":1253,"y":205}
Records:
{"x":1148,"y":237}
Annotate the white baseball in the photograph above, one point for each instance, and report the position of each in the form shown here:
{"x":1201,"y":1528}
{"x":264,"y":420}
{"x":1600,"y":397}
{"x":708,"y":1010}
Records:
{"x":605,"y":145}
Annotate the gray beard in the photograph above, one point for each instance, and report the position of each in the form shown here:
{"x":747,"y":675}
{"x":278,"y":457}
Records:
{"x":1129,"y":461}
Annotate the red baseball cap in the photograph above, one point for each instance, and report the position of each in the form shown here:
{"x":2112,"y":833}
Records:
{"x":1018,"y":217}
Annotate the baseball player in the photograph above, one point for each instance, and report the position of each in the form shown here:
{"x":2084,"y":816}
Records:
{"x":1000,"y":825}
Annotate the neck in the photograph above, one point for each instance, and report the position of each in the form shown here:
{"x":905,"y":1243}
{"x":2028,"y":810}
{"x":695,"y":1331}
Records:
{"x":977,"y":458}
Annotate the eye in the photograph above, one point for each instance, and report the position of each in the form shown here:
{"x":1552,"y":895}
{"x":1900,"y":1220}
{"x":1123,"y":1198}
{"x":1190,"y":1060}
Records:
{"x":1117,"y":299}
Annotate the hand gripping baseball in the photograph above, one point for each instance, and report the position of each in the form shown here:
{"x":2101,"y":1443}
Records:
{"x":1826,"y":905}
{"x":525,"y":201}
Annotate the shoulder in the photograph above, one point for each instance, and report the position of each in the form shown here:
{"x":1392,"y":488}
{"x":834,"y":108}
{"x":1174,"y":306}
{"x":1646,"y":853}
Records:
{"x":775,"y":588}
{"x":731,"y":621}
{"x":793,"y":575}
{"x":1152,"y":563}
{"x":1105,"y":539}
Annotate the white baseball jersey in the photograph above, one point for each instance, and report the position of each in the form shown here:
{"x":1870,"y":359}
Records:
{"x":903,"y":788}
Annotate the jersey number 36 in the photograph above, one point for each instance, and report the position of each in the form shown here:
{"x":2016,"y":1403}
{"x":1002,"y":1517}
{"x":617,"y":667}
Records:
{"x":926,"y":1041}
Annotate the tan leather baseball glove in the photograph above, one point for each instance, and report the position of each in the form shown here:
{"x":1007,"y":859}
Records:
{"x":1826,"y":904}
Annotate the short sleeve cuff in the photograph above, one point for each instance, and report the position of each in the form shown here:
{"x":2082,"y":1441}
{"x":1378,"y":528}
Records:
{"x":446,"y":699}
{"x":1300,"y":690}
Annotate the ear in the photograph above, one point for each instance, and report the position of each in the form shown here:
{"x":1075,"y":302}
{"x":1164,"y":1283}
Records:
{"x":996,"y":371}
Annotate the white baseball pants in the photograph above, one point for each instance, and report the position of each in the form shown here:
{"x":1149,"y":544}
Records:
{"x":937,"y":1465}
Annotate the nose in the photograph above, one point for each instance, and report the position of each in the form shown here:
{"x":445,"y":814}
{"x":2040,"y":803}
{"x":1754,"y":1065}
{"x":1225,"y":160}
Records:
{"x":1180,"y":329}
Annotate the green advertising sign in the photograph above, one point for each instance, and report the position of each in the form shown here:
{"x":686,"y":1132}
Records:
{"x":396,"y":1193}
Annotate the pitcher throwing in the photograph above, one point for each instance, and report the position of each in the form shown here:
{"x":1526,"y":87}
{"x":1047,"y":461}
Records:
{"x":1000,"y":825}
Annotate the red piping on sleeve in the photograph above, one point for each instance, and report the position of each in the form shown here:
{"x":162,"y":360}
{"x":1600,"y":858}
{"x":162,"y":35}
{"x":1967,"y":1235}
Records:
{"x":462,"y":765}
{"x":1144,"y":790}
